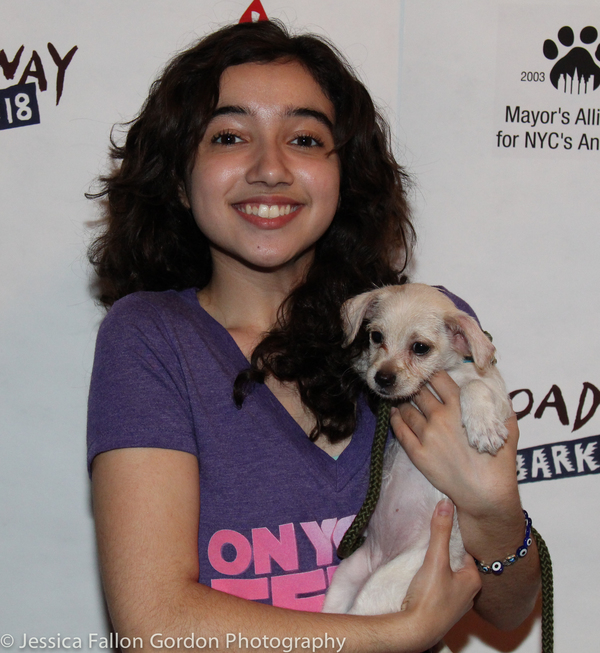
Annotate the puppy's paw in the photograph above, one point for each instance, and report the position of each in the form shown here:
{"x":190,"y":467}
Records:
{"x":483,"y":412}
{"x":486,"y":433}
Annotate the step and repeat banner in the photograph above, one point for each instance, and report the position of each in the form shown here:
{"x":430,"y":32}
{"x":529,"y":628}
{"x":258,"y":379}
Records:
{"x":498,"y":122}
{"x":495,"y":112}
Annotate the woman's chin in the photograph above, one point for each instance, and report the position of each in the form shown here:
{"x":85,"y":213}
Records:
{"x":271,"y":260}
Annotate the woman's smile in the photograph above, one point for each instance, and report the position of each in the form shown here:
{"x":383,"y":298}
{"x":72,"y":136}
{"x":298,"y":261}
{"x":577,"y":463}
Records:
{"x":268,"y":213}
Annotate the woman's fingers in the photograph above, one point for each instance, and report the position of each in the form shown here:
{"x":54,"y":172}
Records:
{"x":439,"y":552}
{"x":440,"y":406}
{"x":435,"y":440}
{"x":438,"y":595}
{"x":513,"y":433}
{"x":441,"y":529}
{"x":407,"y":416}
{"x":441,"y":388}
{"x":408,"y":425}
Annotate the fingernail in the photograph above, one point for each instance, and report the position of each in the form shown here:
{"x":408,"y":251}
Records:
{"x":445,"y":507}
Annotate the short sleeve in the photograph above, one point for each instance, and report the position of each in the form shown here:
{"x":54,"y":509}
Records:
{"x":138,"y":393}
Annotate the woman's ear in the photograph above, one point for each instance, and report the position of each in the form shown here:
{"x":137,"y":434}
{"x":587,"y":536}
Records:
{"x":183,"y":196}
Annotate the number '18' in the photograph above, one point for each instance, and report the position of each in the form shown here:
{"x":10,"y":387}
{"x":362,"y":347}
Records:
{"x":24,"y":112}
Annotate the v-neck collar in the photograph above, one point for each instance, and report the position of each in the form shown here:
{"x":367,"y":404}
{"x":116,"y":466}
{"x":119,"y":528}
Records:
{"x":336,"y":472}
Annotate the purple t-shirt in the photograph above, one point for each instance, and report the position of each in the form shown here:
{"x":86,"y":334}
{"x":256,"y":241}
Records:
{"x":274,"y":506}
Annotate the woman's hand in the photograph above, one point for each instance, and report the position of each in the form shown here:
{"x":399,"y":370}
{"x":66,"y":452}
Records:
{"x":437,"y":596}
{"x":432,"y":434}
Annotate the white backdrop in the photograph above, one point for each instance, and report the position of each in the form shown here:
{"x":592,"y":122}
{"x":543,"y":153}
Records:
{"x":505,"y":212}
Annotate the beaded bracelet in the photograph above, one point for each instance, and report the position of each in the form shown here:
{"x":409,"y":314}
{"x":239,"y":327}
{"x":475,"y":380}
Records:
{"x":497,"y":567}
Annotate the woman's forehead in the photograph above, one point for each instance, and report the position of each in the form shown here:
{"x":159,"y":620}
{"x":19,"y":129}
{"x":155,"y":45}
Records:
{"x":285,"y":87}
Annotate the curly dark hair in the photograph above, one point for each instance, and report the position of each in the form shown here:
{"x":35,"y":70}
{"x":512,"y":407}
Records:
{"x":150,"y":240}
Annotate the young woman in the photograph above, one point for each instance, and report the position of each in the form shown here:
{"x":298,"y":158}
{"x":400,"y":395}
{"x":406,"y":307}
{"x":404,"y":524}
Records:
{"x":229,"y":439}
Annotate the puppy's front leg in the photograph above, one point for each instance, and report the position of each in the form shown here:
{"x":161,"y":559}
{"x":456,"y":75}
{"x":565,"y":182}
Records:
{"x":483,"y":414}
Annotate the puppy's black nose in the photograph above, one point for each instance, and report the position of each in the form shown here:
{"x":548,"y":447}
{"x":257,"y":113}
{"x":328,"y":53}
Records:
{"x":385,"y":379}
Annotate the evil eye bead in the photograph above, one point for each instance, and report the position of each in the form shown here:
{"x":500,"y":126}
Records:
{"x":522,"y":551}
{"x":510,"y":560}
{"x":528,"y":542}
{"x":497,"y":567}
{"x":483,"y":568}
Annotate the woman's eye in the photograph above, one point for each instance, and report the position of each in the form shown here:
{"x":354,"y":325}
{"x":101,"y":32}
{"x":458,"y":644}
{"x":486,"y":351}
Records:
{"x":226,"y":138}
{"x":376,"y":337}
{"x":420,"y":348}
{"x":307,"y":141}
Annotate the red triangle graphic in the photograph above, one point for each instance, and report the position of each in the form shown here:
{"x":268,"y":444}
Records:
{"x":254,"y":13}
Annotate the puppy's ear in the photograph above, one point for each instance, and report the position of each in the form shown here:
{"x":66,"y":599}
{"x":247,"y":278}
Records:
{"x":469,"y":340}
{"x":355,"y":310}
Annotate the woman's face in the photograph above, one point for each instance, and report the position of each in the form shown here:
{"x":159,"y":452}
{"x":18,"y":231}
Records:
{"x":265,"y":182}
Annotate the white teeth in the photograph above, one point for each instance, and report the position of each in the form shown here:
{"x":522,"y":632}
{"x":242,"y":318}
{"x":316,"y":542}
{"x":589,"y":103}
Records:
{"x":267,"y":210}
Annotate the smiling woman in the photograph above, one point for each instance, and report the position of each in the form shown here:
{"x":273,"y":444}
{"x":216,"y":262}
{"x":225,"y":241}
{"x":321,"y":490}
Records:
{"x":152,"y":241}
{"x":228,"y":438}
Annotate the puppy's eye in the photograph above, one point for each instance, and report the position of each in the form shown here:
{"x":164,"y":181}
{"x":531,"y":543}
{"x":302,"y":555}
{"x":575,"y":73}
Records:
{"x":420,"y":348}
{"x":376,"y":337}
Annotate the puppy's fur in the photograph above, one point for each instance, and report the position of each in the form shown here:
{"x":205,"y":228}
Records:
{"x":414,"y":331}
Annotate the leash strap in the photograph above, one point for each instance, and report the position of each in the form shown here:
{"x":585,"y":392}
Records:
{"x":353,"y":538}
{"x":547,"y":594}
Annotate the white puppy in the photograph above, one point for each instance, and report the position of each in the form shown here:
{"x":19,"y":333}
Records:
{"x":414,"y":331}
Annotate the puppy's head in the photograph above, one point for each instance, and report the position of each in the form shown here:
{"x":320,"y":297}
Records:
{"x":414,"y":331}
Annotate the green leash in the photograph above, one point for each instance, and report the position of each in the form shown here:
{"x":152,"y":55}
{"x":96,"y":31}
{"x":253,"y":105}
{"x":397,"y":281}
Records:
{"x":354,"y":535}
{"x":547,"y":594}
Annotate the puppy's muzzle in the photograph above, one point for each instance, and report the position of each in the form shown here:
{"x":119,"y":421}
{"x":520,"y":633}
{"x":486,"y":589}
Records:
{"x":385,"y":380}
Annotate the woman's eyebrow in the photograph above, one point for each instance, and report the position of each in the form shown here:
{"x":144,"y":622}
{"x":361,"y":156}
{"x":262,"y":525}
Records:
{"x":228,"y":110}
{"x":310,"y":113}
{"x":291,"y":112}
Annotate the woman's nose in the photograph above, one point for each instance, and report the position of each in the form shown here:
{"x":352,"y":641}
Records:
{"x":270,"y":166}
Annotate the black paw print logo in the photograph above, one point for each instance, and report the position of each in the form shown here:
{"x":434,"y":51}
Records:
{"x":573,"y":72}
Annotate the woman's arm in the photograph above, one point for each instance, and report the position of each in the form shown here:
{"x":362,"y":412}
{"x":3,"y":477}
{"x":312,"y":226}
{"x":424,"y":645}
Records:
{"x":483,"y":488}
{"x":146,"y":506}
